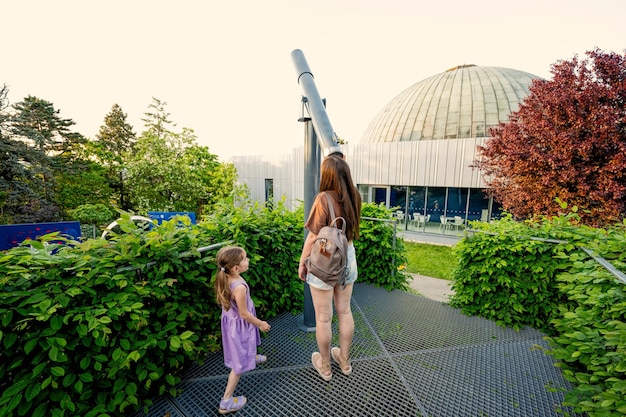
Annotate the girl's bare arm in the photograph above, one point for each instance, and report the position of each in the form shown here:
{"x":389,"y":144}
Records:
{"x":239,"y":294}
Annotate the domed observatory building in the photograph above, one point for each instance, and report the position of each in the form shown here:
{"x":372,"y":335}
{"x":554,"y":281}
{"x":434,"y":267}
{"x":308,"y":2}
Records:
{"x":416,"y":154}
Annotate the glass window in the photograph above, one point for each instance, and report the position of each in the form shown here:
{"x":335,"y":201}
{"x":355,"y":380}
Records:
{"x":496,"y":210}
{"x":364,"y":191}
{"x":397,"y":199}
{"x":478,"y":206}
{"x":416,"y":208}
{"x":269,"y":190}
{"x":380,"y":195}
{"x":417,"y":200}
{"x":398,"y":203}
{"x":435,"y":203}
{"x":457,"y":202}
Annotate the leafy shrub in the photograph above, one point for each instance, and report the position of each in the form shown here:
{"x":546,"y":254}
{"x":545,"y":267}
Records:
{"x":97,"y":328}
{"x":506,"y":277}
{"x":534,"y":273}
{"x":92,"y":330}
{"x":273,"y":238}
{"x":381,"y":257}
{"x":95,"y":214}
{"x":90,"y":216}
{"x":590,"y":344}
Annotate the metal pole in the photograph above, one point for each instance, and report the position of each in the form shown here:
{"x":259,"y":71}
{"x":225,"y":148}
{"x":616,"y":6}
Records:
{"x":316,"y":108}
{"x":312,"y":158}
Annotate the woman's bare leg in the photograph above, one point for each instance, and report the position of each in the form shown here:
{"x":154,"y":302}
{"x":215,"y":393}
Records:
{"x":323,"y":305}
{"x":345,"y":318}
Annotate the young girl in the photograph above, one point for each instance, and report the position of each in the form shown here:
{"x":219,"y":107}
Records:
{"x":240,"y":326}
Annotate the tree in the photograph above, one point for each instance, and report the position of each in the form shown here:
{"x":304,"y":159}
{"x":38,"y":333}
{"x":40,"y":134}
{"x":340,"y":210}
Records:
{"x":157,"y":120}
{"x":567,"y":141}
{"x":36,"y":120}
{"x":168,"y":171}
{"x":93,"y":215}
{"x":36,"y":124}
{"x":23,"y":174}
{"x":217,"y":179}
{"x":113,"y":141}
{"x":80,"y":182}
{"x":115,"y":137}
{"x":161,"y":175}
{"x":4,"y":117}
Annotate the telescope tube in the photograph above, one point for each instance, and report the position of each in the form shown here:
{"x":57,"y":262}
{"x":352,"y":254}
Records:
{"x":317,"y":111}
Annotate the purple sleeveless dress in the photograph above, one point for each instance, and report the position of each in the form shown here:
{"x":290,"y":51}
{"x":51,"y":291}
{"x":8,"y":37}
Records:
{"x":239,"y":338}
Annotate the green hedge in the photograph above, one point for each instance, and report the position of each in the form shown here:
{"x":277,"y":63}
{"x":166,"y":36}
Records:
{"x":84,"y":333}
{"x":590,"y":340}
{"x":378,"y":261}
{"x":522,"y":274}
{"x":97,"y":328}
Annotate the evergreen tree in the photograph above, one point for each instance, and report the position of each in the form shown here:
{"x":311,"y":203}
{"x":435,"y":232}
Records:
{"x":25,"y":175}
{"x":115,"y":137}
{"x":114,"y":141}
{"x":37,"y":121}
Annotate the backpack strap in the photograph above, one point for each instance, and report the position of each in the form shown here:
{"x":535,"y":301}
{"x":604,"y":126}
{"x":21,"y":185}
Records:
{"x":330,"y":206}
{"x":332,"y":215}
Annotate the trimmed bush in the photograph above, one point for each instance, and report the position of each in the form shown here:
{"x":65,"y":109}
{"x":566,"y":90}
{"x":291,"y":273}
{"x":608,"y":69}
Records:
{"x":590,"y":340}
{"x":381,"y":259}
{"x":98,"y":327}
{"x":93,"y":330}
{"x":535,"y":274}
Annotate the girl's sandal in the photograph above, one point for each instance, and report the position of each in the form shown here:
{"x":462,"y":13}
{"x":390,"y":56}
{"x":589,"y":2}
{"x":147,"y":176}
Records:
{"x":344,"y":364}
{"x":324,"y":370}
{"x":232,"y":404}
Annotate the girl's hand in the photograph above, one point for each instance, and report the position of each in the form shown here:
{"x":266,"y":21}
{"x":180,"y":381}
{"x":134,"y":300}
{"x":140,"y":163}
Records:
{"x":265,"y":326}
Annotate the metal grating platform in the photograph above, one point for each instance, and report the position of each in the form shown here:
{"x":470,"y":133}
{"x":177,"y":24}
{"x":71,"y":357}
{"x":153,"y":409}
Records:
{"x":412,"y":356}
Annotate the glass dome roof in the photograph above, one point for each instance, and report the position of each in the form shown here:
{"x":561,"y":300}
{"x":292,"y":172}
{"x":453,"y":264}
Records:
{"x":463,"y":102}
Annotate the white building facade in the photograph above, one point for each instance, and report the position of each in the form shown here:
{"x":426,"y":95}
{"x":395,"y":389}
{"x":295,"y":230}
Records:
{"x":416,"y":156}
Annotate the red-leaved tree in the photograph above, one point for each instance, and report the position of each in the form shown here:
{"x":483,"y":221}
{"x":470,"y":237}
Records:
{"x":566,"y":141}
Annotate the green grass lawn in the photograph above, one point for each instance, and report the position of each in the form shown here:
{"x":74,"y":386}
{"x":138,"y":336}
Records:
{"x":430,"y":260}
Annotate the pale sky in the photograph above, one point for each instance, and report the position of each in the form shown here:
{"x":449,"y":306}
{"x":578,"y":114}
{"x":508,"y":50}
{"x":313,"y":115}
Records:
{"x":224,"y":67}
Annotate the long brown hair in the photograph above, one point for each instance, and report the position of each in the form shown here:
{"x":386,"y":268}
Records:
{"x":227,"y":258}
{"x":337,"y":179}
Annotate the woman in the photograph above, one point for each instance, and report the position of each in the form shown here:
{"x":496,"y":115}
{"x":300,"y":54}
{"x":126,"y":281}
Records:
{"x":336,"y":181}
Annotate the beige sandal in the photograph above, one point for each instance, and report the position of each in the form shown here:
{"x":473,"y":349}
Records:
{"x":344,"y":364}
{"x":322,"y":369}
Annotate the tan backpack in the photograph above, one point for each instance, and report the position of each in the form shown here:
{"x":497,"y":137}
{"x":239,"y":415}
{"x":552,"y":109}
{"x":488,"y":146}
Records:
{"x":329,"y":255}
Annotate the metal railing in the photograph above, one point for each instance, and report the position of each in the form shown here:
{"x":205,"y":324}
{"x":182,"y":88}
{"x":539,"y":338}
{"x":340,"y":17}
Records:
{"x":182,"y":255}
{"x":599,"y":259}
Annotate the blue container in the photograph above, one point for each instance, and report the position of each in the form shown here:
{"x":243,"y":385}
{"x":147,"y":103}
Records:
{"x":12,"y":235}
{"x":161,"y":216}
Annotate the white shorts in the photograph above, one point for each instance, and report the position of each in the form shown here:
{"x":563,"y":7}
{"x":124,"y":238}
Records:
{"x":353,"y":272}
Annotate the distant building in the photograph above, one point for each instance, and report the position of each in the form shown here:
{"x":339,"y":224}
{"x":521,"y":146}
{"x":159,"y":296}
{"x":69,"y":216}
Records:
{"x":416,"y":154}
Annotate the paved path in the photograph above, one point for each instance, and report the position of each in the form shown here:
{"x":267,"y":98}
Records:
{"x":433,"y":288}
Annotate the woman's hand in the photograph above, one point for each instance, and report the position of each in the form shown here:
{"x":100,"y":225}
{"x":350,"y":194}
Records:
{"x":302,"y":271}
{"x":306,"y":251}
